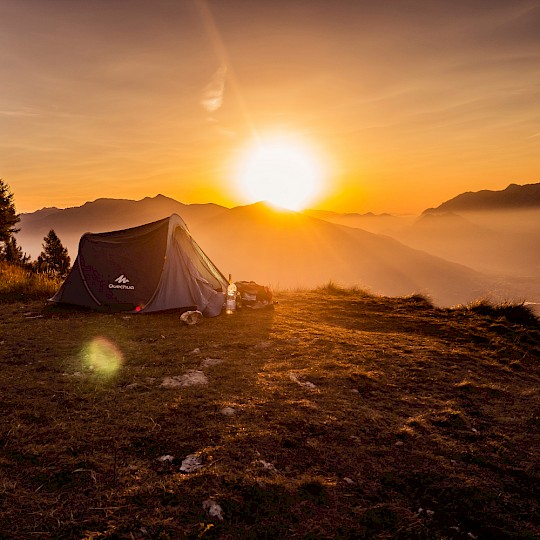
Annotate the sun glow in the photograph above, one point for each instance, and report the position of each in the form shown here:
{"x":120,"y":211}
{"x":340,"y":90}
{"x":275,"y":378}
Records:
{"x":282,"y":171}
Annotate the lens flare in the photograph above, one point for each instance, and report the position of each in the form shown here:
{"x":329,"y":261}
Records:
{"x":102,"y":356}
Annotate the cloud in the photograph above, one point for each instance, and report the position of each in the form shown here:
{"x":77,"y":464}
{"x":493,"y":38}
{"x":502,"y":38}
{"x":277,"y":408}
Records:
{"x":18,"y":112}
{"x":212,"y":95}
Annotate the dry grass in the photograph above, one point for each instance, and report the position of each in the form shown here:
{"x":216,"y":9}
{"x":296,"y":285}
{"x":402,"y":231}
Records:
{"x":354,"y":417}
{"x":17,"y":283}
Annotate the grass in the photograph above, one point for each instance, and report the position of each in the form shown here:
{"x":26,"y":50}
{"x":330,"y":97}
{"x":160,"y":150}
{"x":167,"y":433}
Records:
{"x":512,"y":312}
{"x":16,"y":283}
{"x":353,"y":416}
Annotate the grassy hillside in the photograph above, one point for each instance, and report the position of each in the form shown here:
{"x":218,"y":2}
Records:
{"x":334,"y":415}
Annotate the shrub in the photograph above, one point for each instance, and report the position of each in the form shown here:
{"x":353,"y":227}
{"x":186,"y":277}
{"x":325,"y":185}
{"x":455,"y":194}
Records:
{"x":514,"y":313}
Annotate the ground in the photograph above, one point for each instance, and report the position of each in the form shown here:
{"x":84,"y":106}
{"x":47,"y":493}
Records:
{"x":335,"y":414}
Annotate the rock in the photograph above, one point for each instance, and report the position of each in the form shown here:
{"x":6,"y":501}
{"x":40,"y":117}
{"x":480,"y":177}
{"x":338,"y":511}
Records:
{"x":213,"y":509}
{"x":266,"y":465}
{"x":228,"y":411}
{"x":305,"y":384}
{"x":191,"y":378}
{"x":166,"y":458}
{"x":209,"y":362}
{"x":191,"y":317}
{"x":191,"y":463}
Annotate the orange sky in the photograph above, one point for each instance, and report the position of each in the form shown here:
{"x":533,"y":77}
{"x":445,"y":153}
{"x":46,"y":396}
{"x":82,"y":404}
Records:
{"x":407,"y":102}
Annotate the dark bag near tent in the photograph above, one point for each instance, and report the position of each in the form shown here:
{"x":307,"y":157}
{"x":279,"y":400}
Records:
{"x":254,"y":295}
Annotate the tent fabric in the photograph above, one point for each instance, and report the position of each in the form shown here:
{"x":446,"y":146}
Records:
{"x":153,"y":267}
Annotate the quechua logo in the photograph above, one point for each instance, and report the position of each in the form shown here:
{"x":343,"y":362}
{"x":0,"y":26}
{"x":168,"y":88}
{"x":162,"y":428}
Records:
{"x":121,"y":282}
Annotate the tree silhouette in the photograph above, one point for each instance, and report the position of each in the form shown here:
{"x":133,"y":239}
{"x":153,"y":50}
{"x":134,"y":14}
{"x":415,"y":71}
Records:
{"x":54,"y":258}
{"x":8,"y":215}
{"x":13,"y":253}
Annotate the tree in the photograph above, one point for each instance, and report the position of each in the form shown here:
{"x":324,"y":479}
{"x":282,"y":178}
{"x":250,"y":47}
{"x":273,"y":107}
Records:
{"x":13,"y":253}
{"x":8,"y":215}
{"x":54,"y":258}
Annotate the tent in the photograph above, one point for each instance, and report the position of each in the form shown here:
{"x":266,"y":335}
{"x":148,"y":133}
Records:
{"x":153,"y":267}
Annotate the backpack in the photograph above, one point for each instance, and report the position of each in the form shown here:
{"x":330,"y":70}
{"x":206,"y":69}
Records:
{"x":253,"y":295}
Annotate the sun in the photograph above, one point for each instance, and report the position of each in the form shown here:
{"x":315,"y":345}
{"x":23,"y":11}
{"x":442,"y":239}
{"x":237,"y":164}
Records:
{"x":282,"y":171}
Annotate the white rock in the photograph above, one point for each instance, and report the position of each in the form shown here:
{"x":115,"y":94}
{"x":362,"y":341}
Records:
{"x":190,"y":378}
{"x":191,"y":463}
{"x":228,"y":411}
{"x":267,"y":465}
{"x":213,"y":509}
{"x":209,"y":362}
{"x":166,"y":458}
{"x":191,"y":317}
{"x":304,"y":384}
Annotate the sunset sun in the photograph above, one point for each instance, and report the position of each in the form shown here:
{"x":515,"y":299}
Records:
{"x":283,"y":172}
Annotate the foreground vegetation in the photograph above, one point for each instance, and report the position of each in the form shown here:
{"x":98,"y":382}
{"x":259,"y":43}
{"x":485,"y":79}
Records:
{"x":19,"y":283}
{"x":334,"y":415}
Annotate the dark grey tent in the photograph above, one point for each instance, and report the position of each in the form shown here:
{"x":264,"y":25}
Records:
{"x":154,"y":267}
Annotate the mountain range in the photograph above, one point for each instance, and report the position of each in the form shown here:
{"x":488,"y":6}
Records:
{"x":436,"y":254}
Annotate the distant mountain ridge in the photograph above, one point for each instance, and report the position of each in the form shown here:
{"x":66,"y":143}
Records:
{"x":511,"y":198}
{"x":287,"y":249}
{"x":281,"y":248}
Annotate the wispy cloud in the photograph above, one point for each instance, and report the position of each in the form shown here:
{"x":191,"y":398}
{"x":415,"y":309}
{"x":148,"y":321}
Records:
{"x":212,"y":95}
{"x":18,"y":112}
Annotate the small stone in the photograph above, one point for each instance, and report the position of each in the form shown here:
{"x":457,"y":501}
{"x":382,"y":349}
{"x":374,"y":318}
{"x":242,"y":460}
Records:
{"x":213,"y":509}
{"x":209,"y":362}
{"x":191,"y":463}
{"x":267,"y":465}
{"x":348,"y":480}
{"x":228,"y":411}
{"x":191,"y":378}
{"x":398,"y":443}
{"x":305,"y":384}
{"x":166,"y":458}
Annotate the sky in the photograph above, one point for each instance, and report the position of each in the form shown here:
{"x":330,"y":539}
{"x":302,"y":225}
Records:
{"x":402,"y":104}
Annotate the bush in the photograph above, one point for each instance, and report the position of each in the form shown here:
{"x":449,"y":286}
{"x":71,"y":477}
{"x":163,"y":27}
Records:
{"x":514,"y":313}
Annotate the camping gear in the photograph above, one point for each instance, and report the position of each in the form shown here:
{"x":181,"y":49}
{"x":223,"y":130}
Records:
{"x":153,"y":267}
{"x":253,"y":295}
